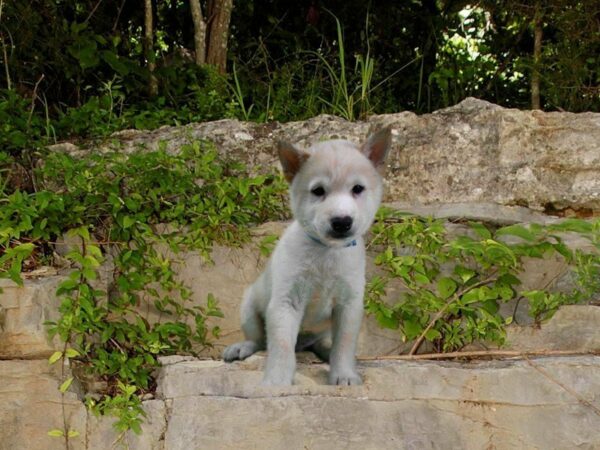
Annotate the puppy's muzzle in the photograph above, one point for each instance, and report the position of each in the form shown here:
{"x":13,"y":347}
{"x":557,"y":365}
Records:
{"x":341,"y":226}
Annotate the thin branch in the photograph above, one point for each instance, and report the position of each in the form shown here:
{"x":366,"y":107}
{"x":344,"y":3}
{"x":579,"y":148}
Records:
{"x":33,"y":99}
{"x":441,"y":312}
{"x":118,"y":15}
{"x":5,"y":56}
{"x":479,"y":354}
{"x":4,"y":52}
{"x":93,"y":11}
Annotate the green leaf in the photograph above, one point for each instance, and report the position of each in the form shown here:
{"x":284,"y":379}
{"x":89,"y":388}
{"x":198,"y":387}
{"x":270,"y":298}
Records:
{"x":446,"y":287}
{"x":432,"y":334}
{"x":54,"y":357}
{"x":73,"y":433}
{"x":66,"y":384}
{"x":387,"y":322}
{"x":89,"y":274}
{"x":517,"y":230}
{"x":421,"y":279}
{"x":477,"y":295}
{"x":113,"y":60}
{"x":411,"y":329}
{"x":56,"y":433}
{"x":464,"y":273}
{"x":94,"y":251}
{"x":509,"y":279}
{"x":128,"y":221}
{"x":480,"y":229}
{"x":82,"y":232}
{"x":491,"y":306}
{"x":71,"y":353}
{"x":573,"y":225}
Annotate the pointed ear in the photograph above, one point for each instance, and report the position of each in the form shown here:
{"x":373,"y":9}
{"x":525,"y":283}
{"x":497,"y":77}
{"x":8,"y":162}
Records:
{"x":377,"y":146}
{"x":291,"y":159}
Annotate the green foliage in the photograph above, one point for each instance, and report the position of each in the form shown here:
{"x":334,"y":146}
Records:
{"x":345,"y":101}
{"x":125,"y":405}
{"x":452,"y":287}
{"x":95,"y":74}
{"x":20,"y":128}
{"x":143,"y":209}
{"x":465,"y":61}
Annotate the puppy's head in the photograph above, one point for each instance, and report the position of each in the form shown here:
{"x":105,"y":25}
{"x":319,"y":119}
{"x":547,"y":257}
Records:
{"x":335,"y":186}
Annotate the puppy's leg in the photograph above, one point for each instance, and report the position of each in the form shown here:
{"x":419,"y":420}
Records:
{"x":253,"y":327}
{"x":283,"y":325}
{"x":347,"y":317}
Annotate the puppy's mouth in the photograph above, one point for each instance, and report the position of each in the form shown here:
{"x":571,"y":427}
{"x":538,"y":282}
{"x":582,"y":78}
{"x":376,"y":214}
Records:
{"x":340,"y":235}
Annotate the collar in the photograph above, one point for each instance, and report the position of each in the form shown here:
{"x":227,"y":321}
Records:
{"x":318,"y":241}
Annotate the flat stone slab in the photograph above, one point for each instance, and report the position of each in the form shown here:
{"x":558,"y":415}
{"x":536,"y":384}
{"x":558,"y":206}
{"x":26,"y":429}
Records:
{"x":543,"y":403}
{"x":23,"y":311}
{"x":402,"y":405}
{"x":31,"y":405}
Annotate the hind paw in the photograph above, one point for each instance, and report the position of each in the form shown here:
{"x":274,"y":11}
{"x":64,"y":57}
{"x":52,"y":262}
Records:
{"x":240,"y":350}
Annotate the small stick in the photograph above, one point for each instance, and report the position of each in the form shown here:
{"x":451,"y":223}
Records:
{"x":33,"y":99}
{"x":479,"y":354}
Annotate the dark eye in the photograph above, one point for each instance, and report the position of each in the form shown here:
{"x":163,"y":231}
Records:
{"x":357,"y":189}
{"x":318,"y":191}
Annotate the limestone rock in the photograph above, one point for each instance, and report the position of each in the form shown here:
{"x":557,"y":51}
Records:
{"x":471,"y":152}
{"x":573,"y":327}
{"x":23,"y":311}
{"x":424,"y":405}
{"x":102,"y":435}
{"x":30,"y":406}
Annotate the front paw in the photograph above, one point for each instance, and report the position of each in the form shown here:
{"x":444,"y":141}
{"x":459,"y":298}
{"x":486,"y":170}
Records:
{"x":344,"y":378}
{"x":240,"y":350}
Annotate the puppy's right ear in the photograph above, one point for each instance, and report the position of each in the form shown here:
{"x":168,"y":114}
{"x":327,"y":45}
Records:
{"x":291,"y":159}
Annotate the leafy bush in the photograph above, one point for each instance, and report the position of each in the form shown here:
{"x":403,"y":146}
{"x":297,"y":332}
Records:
{"x":20,"y":128}
{"x":453,"y":286}
{"x":141,"y":210}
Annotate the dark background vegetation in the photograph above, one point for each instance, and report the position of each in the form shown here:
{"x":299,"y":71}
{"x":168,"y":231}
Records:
{"x":72,"y":68}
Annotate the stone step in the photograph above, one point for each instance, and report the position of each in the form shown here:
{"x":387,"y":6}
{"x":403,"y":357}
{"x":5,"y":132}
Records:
{"x":402,"y":405}
{"x":541,"y":403}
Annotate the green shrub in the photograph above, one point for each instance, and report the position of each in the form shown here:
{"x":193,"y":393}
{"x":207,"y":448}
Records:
{"x":453,"y":286}
{"x":143,"y":209}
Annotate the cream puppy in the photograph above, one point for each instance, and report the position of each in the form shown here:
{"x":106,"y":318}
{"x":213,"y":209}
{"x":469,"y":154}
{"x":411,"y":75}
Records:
{"x":310,"y":297}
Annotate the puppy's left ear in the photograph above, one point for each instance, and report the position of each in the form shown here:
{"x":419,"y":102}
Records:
{"x":377,"y":146}
{"x":291,"y":159}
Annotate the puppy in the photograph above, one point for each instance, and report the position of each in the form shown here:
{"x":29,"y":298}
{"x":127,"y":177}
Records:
{"x":310,"y":297}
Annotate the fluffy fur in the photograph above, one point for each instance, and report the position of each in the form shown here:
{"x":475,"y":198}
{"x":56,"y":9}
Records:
{"x":310,"y":296}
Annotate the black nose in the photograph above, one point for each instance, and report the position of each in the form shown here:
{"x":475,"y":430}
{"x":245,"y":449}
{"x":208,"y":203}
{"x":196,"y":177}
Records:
{"x":341,"y":225}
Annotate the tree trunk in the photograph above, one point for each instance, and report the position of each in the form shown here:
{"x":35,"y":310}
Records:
{"x":537,"y":56}
{"x":199,"y":31}
{"x":219,"y":14}
{"x":149,"y":47}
